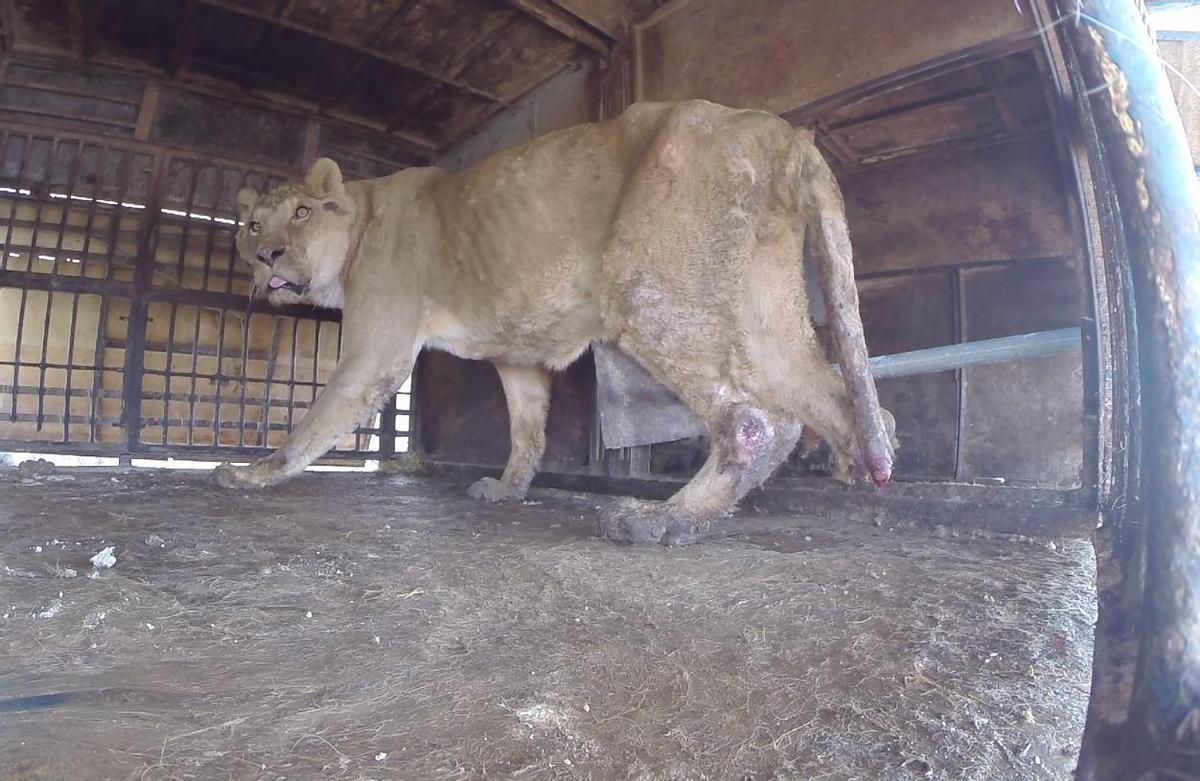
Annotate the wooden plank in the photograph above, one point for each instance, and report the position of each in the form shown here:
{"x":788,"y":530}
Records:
{"x":564,"y":23}
{"x":392,"y":57}
{"x":780,"y":56}
{"x":147,"y":112}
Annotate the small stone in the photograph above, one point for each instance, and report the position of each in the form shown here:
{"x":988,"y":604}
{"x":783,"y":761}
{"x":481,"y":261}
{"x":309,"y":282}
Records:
{"x":104,"y":559}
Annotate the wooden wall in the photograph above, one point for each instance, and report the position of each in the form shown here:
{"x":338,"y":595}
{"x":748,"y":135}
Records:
{"x":779,"y":56}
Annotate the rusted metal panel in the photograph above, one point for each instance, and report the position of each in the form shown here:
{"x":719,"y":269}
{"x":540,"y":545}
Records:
{"x":1001,"y":202}
{"x":1023,"y":421}
{"x":463,"y":416}
{"x":634,"y":409}
{"x":911,"y":313}
{"x":462,"y":413}
{"x":779,"y":56}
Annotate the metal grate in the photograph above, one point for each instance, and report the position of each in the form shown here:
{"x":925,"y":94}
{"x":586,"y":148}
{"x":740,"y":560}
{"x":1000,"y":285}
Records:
{"x":119,"y":283}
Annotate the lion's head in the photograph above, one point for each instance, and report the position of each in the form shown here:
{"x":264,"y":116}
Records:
{"x":296,"y":237}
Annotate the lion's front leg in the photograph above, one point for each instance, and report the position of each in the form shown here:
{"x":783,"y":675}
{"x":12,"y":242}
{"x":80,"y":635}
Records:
{"x":356,"y":389}
{"x":527,"y":391}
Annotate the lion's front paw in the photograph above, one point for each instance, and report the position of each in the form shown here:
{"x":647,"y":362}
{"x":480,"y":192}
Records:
{"x":637,"y":522}
{"x":239,"y":477}
{"x":490,"y":489}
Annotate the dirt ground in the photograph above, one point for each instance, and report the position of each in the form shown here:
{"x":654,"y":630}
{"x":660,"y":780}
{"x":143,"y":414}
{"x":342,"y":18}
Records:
{"x":384,"y":627}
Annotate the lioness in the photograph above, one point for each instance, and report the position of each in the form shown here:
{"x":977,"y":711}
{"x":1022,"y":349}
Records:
{"x":675,"y":231}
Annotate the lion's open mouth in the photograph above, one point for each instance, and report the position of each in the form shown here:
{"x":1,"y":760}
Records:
{"x":279,"y":283}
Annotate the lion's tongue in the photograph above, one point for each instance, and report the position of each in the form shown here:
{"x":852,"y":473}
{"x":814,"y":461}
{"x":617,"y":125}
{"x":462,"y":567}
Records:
{"x":276,"y":283}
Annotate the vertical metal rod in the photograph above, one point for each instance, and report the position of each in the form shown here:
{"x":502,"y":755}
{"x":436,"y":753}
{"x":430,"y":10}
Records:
{"x":181,"y":253}
{"x":89,"y":223}
{"x":41,"y":386}
{"x":70,"y":362}
{"x":72,"y":181}
{"x":17,"y":355}
{"x":264,"y":419}
{"x":292,"y":374}
{"x":245,"y":377}
{"x":192,"y":375}
{"x":960,"y":375}
{"x":216,"y":422}
{"x":98,"y":369}
{"x":135,"y":344}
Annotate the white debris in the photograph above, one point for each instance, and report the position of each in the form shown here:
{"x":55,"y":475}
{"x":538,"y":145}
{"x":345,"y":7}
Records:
{"x":150,"y":626}
{"x":382,"y":755}
{"x":541,"y":716}
{"x":104,"y":559}
{"x":37,"y":548}
{"x":67,"y":572}
{"x":154,"y":541}
{"x":308,"y":614}
{"x":94,"y":620}
{"x":52,"y":610}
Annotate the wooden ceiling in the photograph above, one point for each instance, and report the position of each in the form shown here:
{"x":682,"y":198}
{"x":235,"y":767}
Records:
{"x":959,"y":105}
{"x":425,"y":71}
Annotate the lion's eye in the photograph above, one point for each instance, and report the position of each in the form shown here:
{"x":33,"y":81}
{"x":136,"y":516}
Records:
{"x":302,"y":212}
{"x":255,"y":227}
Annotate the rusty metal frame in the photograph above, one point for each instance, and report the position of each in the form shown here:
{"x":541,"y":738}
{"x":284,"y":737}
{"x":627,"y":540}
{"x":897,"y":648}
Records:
{"x":1144,"y":717}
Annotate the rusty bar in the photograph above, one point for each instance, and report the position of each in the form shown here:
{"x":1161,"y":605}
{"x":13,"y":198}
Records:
{"x":1146,"y":151}
{"x":98,"y":368}
{"x":220,"y":376}
{"x":41,"y":386}
{"x":241,"y":429}
{"x":17,"y":352}
{"x":292,"y":374}
{"x":192,"y":375}
{"x":70,"y":365}
{"x":135,"y":343}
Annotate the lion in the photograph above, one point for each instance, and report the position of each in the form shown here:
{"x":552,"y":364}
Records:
{"x":675,"y":231}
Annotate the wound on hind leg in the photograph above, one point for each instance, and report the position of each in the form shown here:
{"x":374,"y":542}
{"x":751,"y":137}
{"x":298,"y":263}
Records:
{"x":752,"y":436}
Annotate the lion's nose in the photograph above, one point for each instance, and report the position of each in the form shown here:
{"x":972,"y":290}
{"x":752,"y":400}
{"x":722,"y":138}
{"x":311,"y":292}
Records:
{"x":269,"y":255}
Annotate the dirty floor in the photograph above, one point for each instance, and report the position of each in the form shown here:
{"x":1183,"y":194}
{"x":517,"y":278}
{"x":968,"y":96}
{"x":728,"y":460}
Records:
{"x":384,"y":627}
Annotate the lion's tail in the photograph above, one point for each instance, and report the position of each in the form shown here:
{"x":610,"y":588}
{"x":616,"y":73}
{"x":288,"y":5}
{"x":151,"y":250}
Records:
{"x":821,"y":202}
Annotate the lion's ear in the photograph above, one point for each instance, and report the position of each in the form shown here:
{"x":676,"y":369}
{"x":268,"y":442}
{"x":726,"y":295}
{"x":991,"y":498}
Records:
{"x":246,"y":198}
{"x":324,"y":178}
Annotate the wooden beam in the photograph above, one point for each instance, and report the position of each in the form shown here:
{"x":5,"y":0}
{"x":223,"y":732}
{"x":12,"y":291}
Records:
{"x":610,"y":18}
{"x":179,"y":48}
{"x":391,"y":57}
{"x":462,"y":60}
{"x":402,"y":11}
{"x":146,"y":112}
{"x":564,"y":23}
{"x":8,"y":16}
